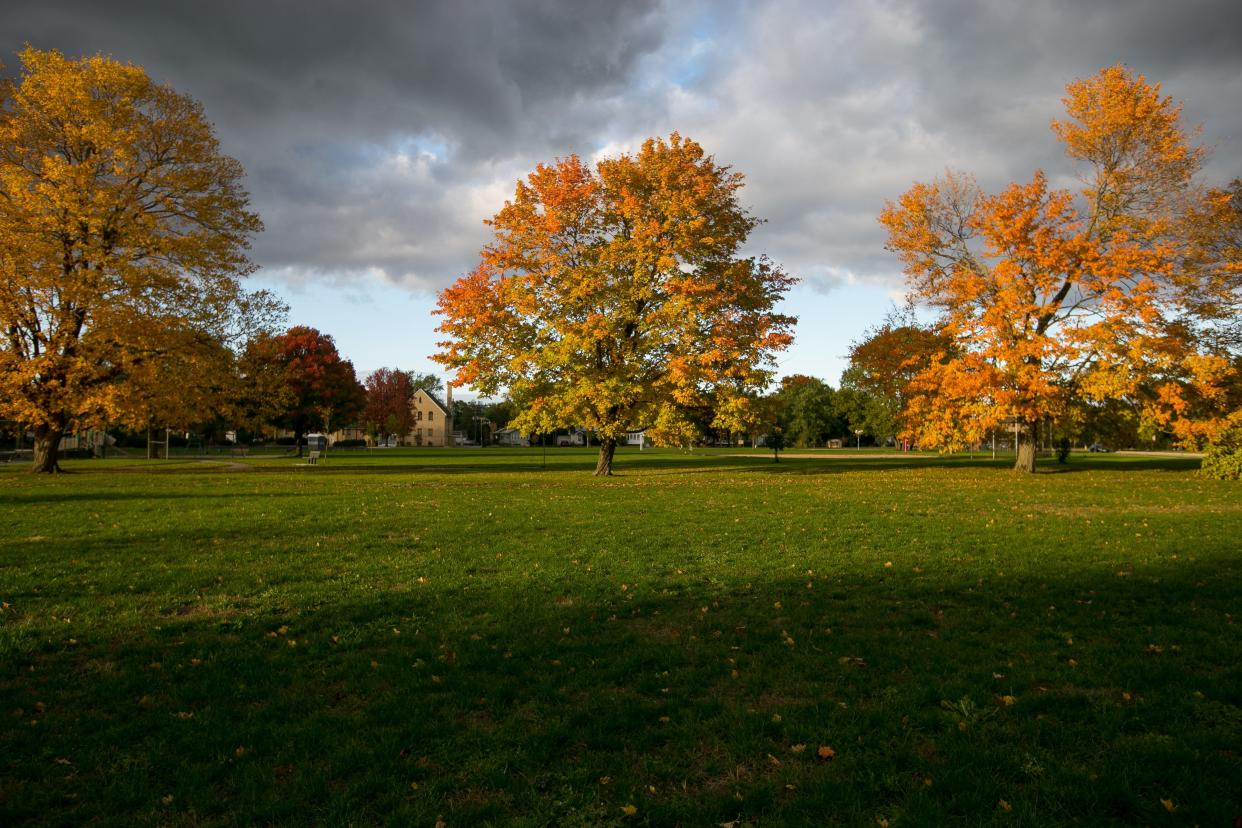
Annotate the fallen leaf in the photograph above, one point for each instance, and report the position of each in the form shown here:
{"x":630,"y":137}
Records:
{"x":629,"y":810}
{"x":1168,"y":805}
{"x":1009,"y":701}
{"x":1004,"y":806}
{"x":825,"y":752}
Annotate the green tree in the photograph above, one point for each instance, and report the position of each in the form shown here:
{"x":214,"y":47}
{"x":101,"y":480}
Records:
{"x":808,"y":412}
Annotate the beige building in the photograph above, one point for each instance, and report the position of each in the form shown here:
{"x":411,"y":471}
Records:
{"x":432,"y":426}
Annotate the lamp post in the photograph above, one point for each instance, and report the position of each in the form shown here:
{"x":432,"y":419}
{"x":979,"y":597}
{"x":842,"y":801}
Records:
{"x":858,"y":432}
{"x":481,"y":421}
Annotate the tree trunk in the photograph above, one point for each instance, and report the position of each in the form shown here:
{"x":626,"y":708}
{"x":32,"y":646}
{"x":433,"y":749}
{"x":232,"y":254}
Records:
{"x":1026,"y":447}
{"x":603,"y":466}
{"x":299,"y":432}
{"x":47,"y":449}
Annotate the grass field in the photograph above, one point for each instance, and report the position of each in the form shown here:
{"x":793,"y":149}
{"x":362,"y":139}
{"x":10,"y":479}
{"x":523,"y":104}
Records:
{"x":465,"y":636}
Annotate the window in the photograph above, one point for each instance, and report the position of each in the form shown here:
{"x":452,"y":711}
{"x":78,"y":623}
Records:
{"x":431,"y":415}
{"x":420,"y":416}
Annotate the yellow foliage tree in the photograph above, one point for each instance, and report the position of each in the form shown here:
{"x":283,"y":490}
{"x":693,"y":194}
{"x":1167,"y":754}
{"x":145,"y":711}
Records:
{"x":614,"y":298}
{"x":1047,"y":296}
{"x":123,"y":236}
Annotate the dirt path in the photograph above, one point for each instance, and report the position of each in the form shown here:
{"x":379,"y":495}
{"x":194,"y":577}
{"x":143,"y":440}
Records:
{"x":888,"y":456}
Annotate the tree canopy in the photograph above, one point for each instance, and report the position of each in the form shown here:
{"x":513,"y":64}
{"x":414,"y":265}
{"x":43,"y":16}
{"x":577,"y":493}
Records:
{"x":1049,"y":296}
{"x":123,"y":238}
{"x":614,"y":297}
{"x":320,"y":387}
{"x":387,"y":412}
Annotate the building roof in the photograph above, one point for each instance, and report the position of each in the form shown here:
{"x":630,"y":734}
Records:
{"x":431,"y":397}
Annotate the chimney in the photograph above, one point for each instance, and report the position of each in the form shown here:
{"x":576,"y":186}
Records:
{"x":449,"y":440}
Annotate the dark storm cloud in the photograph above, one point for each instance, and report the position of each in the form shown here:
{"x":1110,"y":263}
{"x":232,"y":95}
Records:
{"x":367,"y":127}
{"x":377,"y":136}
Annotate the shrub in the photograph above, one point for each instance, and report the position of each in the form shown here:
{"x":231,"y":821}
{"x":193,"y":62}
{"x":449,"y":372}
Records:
{"x":1222,"y":460}
{"x":350,"y":444}
{"x":1063,"y":450}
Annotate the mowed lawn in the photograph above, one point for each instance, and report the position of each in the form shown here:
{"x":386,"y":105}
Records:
{"x":467,"y":637}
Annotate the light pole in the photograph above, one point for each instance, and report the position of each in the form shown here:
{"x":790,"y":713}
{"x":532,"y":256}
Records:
{"x":858,"y":432}
{"x":490,"y":427}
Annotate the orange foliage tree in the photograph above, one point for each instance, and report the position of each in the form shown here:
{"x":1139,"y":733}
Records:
{"x":1204,"y":399}
{"x":614,"y":298}
{"x":1048,"y":296}
{"x":123,"y":237}
{"x":875,"y":385}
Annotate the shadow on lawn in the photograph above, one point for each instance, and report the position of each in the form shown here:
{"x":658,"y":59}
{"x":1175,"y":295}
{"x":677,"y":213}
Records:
{"x":1083,"y":699}
{"x":631,"y":465}
{"x":32,"y":497}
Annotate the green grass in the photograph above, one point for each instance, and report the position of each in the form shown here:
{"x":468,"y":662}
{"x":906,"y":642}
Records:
{"x":396,"y":637}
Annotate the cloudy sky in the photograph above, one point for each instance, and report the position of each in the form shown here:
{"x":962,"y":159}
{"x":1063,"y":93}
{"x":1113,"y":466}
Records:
{"x":378,"y":136}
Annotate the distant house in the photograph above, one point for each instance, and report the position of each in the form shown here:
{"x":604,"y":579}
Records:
{"x":637,"y":438}
{"x":432,"y":426}
{"x":512,"y":437}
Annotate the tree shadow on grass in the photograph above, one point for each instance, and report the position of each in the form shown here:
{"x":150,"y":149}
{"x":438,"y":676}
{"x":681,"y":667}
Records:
{"x":552,"y":700}
{"x":33,"y":497}
{"x":513,"y":463}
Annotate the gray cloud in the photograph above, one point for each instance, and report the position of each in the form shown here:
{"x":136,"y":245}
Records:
{"x":378,"y":135}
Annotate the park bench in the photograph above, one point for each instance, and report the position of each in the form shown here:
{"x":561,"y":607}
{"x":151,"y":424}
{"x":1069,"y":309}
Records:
{"x":313,"y":458}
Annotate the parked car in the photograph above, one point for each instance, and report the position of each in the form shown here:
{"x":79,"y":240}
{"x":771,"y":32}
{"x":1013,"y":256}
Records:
{"x":1097,"y":448}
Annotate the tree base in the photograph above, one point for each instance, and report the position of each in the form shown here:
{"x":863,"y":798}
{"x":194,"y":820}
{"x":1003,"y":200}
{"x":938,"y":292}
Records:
{"x":603,"y":464}
{"x":47,"y":451}
{"x":1026,"y":449}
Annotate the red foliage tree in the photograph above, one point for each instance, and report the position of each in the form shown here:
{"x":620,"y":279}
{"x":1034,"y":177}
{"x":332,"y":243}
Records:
{"x":387,"y":411}
{"x":321,"y":385}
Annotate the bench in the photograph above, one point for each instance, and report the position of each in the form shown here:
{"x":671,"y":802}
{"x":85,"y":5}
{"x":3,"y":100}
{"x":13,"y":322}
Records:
{"x":313,"y":458}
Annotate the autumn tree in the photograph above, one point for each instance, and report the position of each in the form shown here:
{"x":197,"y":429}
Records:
{"x":875,"y":387}
{"x":1199,"y":398}
{"x":123,"y":235}
{"x":320,"y":386}
{"x":1046,"y":295}
{"x":614,"y":298}
{"x":387,"y":411}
